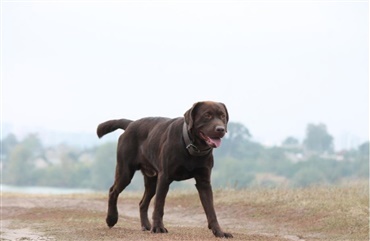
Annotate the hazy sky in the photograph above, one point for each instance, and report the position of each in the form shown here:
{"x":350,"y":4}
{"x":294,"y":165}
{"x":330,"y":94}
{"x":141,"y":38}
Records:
{"x":277,"y":65}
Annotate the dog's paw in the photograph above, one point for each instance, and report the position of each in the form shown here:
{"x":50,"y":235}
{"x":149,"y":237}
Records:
{"x":228,"y":235}
{"x":145,"y":228}
{"x":145,"y":225}
{"x":159,"y":230}
{"x":220,"y":234}
{"x":111,"y":220}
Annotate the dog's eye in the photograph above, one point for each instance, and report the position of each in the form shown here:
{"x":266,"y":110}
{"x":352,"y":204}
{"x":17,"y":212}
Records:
{"x":223,"y":116}
{"x":208,"y":115}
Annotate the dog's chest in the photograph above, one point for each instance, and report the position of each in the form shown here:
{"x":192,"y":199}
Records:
{"x":187,"y":170}
{"x":182,"y":173}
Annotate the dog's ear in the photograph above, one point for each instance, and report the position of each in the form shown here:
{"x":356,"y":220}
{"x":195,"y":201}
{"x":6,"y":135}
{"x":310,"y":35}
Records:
{"x":227,"y":115}
{"x":190,"y":114}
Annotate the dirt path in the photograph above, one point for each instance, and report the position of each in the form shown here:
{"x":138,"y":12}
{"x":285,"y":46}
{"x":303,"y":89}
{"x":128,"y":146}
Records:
{"x":82,"y":217}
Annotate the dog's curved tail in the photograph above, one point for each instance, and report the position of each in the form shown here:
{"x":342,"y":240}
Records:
{"x":112,"y":125}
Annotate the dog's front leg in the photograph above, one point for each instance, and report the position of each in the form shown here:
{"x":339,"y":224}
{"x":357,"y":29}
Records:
{"x":163,"y":185}
{"x":204,"y":188}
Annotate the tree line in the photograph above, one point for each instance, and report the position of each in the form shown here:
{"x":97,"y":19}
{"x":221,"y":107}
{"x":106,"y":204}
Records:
{"x":239,"y":163}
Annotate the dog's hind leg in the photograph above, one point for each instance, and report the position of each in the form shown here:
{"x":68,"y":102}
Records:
{"x":124,"y":174}
{"x":150,"y":188}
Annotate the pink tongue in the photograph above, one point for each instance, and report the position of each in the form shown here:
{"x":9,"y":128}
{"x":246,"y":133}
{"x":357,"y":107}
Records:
{"x":215,"y":142}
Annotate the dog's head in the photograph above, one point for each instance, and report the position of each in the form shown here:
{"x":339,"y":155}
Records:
{"x":207,"y":122}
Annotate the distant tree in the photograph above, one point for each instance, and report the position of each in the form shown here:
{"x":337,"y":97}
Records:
{"x":237,"y":132}
{"x":20,"y":166}
{"x":103,"y":166}
{"x":70,"y":169}
{"x":235,"y":141}
{"x":8,"y":143}
{"x":290,"y":141}
{"x":32,"y":141}
{"x":232,"y":173}
{"x":318,"y":139}
{"x":361,"y":162}
{"x":308,"y":176}
{"x":364,"y":149}
{"x":274,"y":160}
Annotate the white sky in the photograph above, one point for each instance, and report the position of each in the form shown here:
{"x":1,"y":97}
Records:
{"x":277,"y":65}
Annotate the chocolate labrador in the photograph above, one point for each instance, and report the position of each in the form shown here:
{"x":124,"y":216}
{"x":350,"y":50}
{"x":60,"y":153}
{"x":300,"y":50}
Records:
{"x":167,"y":150}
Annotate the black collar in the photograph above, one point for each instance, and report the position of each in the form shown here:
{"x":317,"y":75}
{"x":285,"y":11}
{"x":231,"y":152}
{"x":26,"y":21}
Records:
{"x":192,"y":149}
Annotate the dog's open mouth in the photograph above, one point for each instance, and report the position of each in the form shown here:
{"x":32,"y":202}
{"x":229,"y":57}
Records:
{"x":211,"y":141}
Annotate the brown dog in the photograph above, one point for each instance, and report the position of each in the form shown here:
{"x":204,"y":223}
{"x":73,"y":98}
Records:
{"x":168,"y":150}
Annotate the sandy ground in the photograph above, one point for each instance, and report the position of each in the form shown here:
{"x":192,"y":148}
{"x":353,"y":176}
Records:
{"x":82,"y":217}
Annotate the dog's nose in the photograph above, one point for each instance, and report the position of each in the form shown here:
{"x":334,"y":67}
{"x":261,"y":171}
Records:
{"x":220,"y":129}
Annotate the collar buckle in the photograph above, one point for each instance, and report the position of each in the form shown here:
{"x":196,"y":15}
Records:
{"x":191,"y":145}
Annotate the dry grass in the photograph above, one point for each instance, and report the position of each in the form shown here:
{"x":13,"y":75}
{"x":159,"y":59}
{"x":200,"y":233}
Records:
{"x":317,"y":213}
{"x":341,"y":212}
